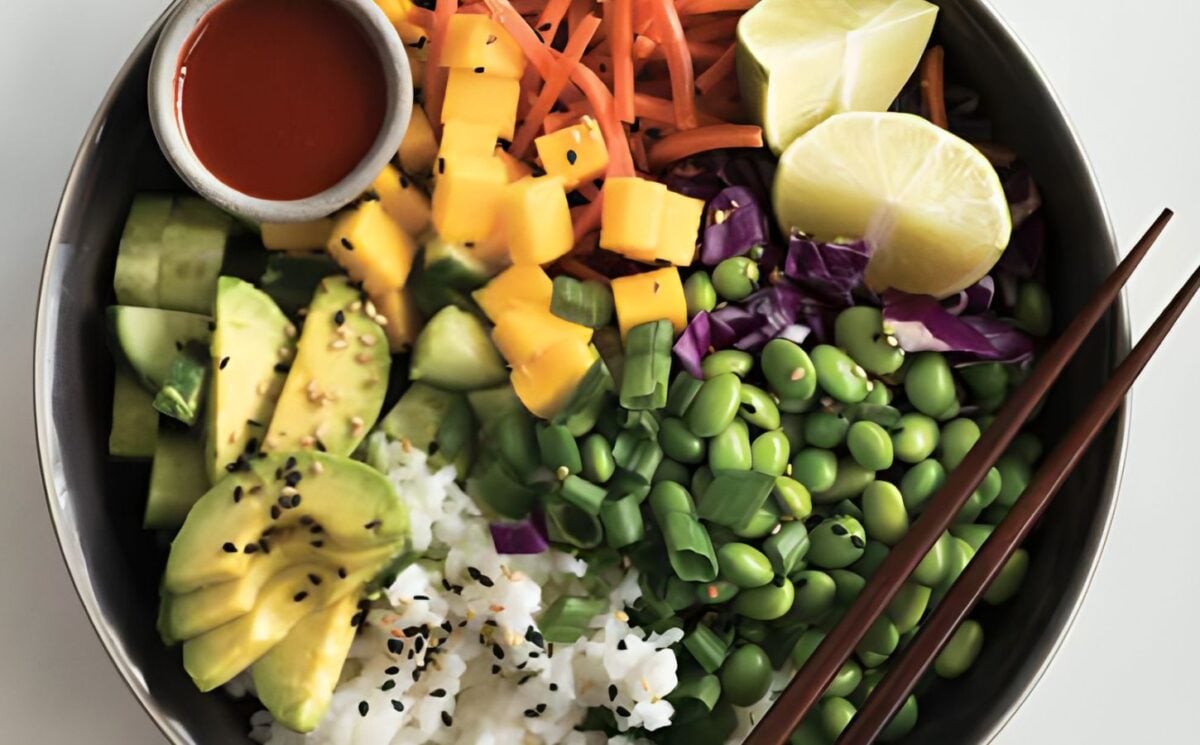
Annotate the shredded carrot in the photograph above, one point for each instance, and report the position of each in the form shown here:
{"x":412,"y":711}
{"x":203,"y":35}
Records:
{"x":666,"y":21}
{"x":587,"y":245}
{"x":552,"y":15}
{"x":698,"y":7}
{"x":478,"y":9}
{"x":687,"y":143}
{"x":621,"y":46}
{"x":661,"y":110}
{"x":933,"y":86}
{"x":601,"y":64}
{"x":422,"y":17}
{"x":434,"y":89}
{"x":717,"y":71}
{"x":721,"y":29}
{"x":587,"y":218}
{"x":522,"y":33}
{"x":579,"y":10}
{"x":704,"y":51}
{"x":557,"y":79}
{"x":589,"y":190}
{"x":580,"y":270}
{"x":722,"y":108}
{"x":527,"y":7}
{"x":620,"y":162}
{"x":637,"y":148}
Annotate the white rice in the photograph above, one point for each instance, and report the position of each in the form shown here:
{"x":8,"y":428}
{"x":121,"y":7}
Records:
{"x":449,"y":654}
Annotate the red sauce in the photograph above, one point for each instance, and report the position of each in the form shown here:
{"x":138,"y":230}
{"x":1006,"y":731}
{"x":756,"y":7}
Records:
{"x":280,"y":99}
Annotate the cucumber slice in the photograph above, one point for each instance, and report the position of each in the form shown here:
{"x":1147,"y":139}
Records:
{"x":454,"y":352}
{"x":147,"y":339}
{"x":134,"y":420}
{"x":193,"y":249}
{"x":182,"y":393}
{"x":135,"y":279}
{"x":454,"y":265}
{"x":178,"y":478}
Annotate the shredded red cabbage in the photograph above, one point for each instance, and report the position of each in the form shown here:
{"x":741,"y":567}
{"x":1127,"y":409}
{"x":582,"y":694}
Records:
{"x":831,"y":272}
{"x":526,"y":536}
{"x":736,"y":223}
{"x":921,"y":324}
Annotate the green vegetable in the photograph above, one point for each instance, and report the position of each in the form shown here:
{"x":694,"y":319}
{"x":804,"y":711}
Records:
{"x":838,"y":375}
{"x":678,"y":442}
{"x":848,"y":585}
{"x":668,"y":496}
{"x":746,"y":675}
{"x":787,"y":548}
{"x":757,"y":408}
{"x":734,"y":496}
{"x":815,"y":593}
{"x":567,"y":618}
{"x":908,"y":607}
{"x":681,"y":393}
{"x":916,"y":438}
{"x":597,"y":459}
{"x":957,"y":438}
{"x":1032,"y":309}
{"x":879,"y":641}
{"x":837,"y":542}
{"x":793,"y":497}
{"x":836,"y":714}
{"x":714,"y":406}
{"x":886,"y":518}
{"x":760,"y":524}
{"x":727,"y":361}
{"x":769,"y":453}
{"x":744,"y":565}
{"x":1006,"y":584}
{"x":622,"y":521}
{"x":825,"y":429}
{"x":583,"y":494}
{"x":919,"y":484}
{"x":735,"y":278}
{"x":706,"y":647}
{"x":789,"y":370}
{"x":929,"y":384}
{"x":567,"y":523}
{"x":689,"y":549}
{"x":850,"y":482}
{"x":699,"y":293}
{"x":559,"y":451}
{"x":183,"y":391}
{"x":730,"y":449}
{"x":1015,"y":474}
{"x":815,"y":468}
{"x":768,"y":602}
{"x":587,"y":303}
{"x":961,"y":651}
{"x":870,"y":445}
{"x":859,"y":330}
{"x":985,"y":380}
{"x":647,"y":366}
{"x":670,"y":470}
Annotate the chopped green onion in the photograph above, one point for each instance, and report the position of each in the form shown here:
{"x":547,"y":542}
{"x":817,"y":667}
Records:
{"x":569,"y":524}
{"x":734,"y":497}
{"x":786,"y":548}
{"x":590,"y":398}
{"x":567,"y":619}
{"x":624,"y":447}
{"x":645,"y":459}
{"x":706,"y":647}
{"x":680,"y":594}
{"x":688,"y":548}
{"x":492,"y":484}
{"x":647,"y":365}
{"x":668,"y":496}
{"x":588,"y":303}
{"x":646,"y":422}
{"x":681,"y":393}
{"x":457,"y":430}
{"x":559,"y":450}
{"x":622,"y":520}
{"x":583,"y":494}
{"x":516,"y":443}
{"x":607,"y":342}
{"x":705,"y":689}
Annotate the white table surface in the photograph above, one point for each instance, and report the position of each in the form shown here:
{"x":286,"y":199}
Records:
{"x":1128,"y":73}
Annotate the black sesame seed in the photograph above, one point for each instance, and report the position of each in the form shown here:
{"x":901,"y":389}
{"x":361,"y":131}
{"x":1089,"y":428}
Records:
{"x":266,"y":547}
{"x":603,"y":67}
{"x":534,"y":655}
{"x":292,"y":478}
{"x":346,"y":244}
{"x":447,"y":627}
{"x":363,"y":708}
{"x":315,"y":579}
{"x":472,"y":572}
{"x":622,"y":646}
{"x":178,"y":346}
{"x":223,"y":363}
{"x":491,"y":622}
{"x":282,"y":367}
{"x":296,"y":500}
{"x":839,"y":529}
{"x":317,"y":544}
{"x":393,"y":670}
{"x":497,"y":651}
{"x":339,"y":318}
{"x":300,"y":596}
{"x":534,"y":637}
{"x":438,"y":693}
{"x":237,"y":493}
{"x":250,"y":548}
{"x":419,"y":644}
{"x":420,"y":597}
{"x":279,"y":473}
{"x":540,"y":708}
{"x":229,"y":548}
{"x":478,"y":70}
{"x":492,"y":38}
{"x":253,"y":423}
{"x":275,"y":512}
{"x":231,"y":467}
{"x":321,"y":447}
{"x":316,"y":530}
{"x":306,"y":520}
{"x":412,"y":630}
{"x":622,"y":711}
{"x":416,"y":675}
{"x":341,"y":572}
{"x":395,"y":646}
{"x":441,"y":166}
{"x":212,"y":325}
{"x":251,"y":446}
{"x":373,"y":524}
{"x":530,"y":713}
{"x":553,"y":687}
{"x":495,"y":669}
{"x":612,"y":693}
{"x":545,"y":27}
{"x":447,"y":719}
{"x":289,"y":464}
{"x":522,"y":665}
{"x":572,"y":156}
{"x":398,"y":705}
{"x":486,"y":581}
{"x":387,"y":685}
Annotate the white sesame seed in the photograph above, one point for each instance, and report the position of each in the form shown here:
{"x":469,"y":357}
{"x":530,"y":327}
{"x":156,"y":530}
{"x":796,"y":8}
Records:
{"x":338,"y":344}
{"x":261,"y":388}
{"x":284,"y":353}
{"x":798,"y":374}
{"x":369,"y":309}
{"x":356,"y":306}
{"x":859,"y":371}
{"x":317,"y":469}
{"x":290,"y":330}
{"x":362,"y":358}
{"x":381,"y":320}
{"x":368,"y":340}
{"x":288,"y":491}
{"x":307,"y":441}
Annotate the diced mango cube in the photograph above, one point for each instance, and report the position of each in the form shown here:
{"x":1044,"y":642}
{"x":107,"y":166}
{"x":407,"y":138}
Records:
{"x":517,"y":286}
{"x":537,"y":220}
{"x":576,"y":153}
{"x":403,"y":319}
{"x":463,"y":140}
{"x":517,"y":169}
{"x":476,"y":43}
{"x":631,"y":216}
{"x":468,"y":198}
{"x":372,"y":248}
{"x":651,"y":296}
{"x":296,"y":236}
{"x":525,"y":332}
{"x":545,"y":384}
{"x":680,"y":228}
{"x":484,"y":99}
{"x":419,"y":146}
{"x":403,"y":200}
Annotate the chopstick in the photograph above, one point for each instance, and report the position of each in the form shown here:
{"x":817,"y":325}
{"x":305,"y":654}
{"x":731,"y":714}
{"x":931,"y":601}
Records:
{"x":916,"y":657}
{"x":805,"y":689}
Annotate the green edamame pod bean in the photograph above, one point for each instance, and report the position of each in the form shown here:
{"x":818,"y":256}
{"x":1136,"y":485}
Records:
{"x":957,"y":438}
{"x":1010,"y":578}
{"x":701,"y":479}
{"x":838,"y":375}
{"x":960,"y":555}
{"x":727,"y":361}
{"x":670,"y":470}
{"x":870,"y":445}
{"x":920,"y":482}
{"x":735,"y":278}
{"x":744,"y":565}
{"x":809,"y":732}
{"x":678,"y":443}
{"x":746,"y":675}
{"x":885,"y":416}
{"x":787,"y":547}
{"x":760,"y":524}
{"x":881,"y":639}
{"x":986,"y":379}
{"x":836,"y":543}
{"x":815,"y":468}
{"x":990,"y":487}
{"x":903,"y":722}
{"x":908,"y":606}
{"x":859,"y":330}
{"x":836,"y":714}
{"x":974,"y":535}
{"x":699,"y":293}
{"x":886,"y":518}
{"x":668,"y":496}
{"x":850,"y":482}
{"x":717,"y":592}
{"x":730,"y":449}
{"x":789,"y":370}
{"x":752,"y":631}
{"x":793,"y":498}
{"x":682,"y":392}
{"x":815,"y":593}
{"x":929,"y":384}
{"x":758,"y":408}
{"x":916,"y":438}
{"x":873,"y":556}
{"x":792,"y":426}
{"x":934,"y":565}
{"x":797,"y":405}
{"x":560,"y":452}
{"x":846,"y":681}
{"x":769,"y":453}
{"x":597,"y":458}
{"x":766,"y":603}
{"x":952,"y":412}
{"x":715,"y":406}
{"x":1015,"y":474}
{"x":1028,"y":447}
{"x":1032,"y":310}
{"x":878,"y":394}
{"x":848,"y":584}
{"x":824,"y":429}
{"x":961,"y":651}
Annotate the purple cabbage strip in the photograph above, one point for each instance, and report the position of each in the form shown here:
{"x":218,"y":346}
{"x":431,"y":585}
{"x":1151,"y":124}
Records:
{"x":975,"y":299}
{"x":830,"y":271}
{"x":736,"y":223}
{"x":526,"y":536}
{"x":921,"y":324}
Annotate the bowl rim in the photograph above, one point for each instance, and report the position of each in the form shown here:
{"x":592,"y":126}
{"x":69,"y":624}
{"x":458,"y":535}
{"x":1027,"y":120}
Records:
{"x":49,"y":456}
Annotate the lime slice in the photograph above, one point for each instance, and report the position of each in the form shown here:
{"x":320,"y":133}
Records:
{"x":928,"y":202}
{"x":800,"y":61}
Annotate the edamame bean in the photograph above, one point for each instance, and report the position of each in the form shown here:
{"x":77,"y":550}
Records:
{"x":678,"y":443}
{"x":793,"y":498}
{"x":797,"y":405}
{"x":916,"y":438}
{"x":908,"y":606}
{"x":886,"y":518}
{"x":870,"y":445}
{"x":859,"y":330}
{"x":744,"y":565}
{"x":929,"y":384}
{"x":727,"y":361}
{"x":849,"y":585}
{"x":757,"y":408}
{"x":598,"y":464}
{"x":793,"y":426}
{"x":769,"y":453}
{"x":715,"y":406}
{"x":878,"y":394}
{"x":873,"y":556}
{"x":934,"y":565}
{"x":1032,"y":309}
{"x":789,"y":370}
{"x":730,"y":449}
{"x":850,"y":482}
{"x":701,"y":479}
{"x":838,"y":375}
{"x":735,"y":278}
{"x":668,"y":496}
{"x":919,"y":483}
{"x":746,"y":675}
{"x":836,"y":714}
{"x":879,"y":641}
{"x":717,"y":592}
{"x":815,"y":592}
{"x":768,"y":602}
{"x":961,"y":651}
{"x":836,"y":543}
{"x":1015,"y":474}
{"x":699,"y":293}
{"x":559,"y":451}
{"x":952,"y":412}
{"x":752,"y":631}
{"x":787,"y":547}
{"x":1006,"y":584}
{"x":885,"y":416}
{"x":815,"y":468}
{"x":905,"y":719}
{"x":1028,"y":447}
{"x":960,"y":555}
{"x":760,"y":524}
{"x":670,"y":470}
{"x":848,"y":507}
{"x":809,"y":732}
{"x":957,"y":438}
{"x":846,"y":680}
{"x":825,"y":429}
{"x":986,"y":379}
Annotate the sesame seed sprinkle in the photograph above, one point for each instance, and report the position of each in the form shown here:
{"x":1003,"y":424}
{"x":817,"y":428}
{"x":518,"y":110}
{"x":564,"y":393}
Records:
{"x":229,"y":548}
{"x":300,"y":596}
{"x":363,"y":706}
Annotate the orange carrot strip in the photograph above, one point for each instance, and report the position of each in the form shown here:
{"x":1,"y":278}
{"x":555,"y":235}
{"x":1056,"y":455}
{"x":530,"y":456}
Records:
{"x":621,"y":44}
{"x":589,"y":190}
{"x":434,"y":89}
{"x":422,"y":17}
{"x":587,"y":218}
{"x":717,"y":71}
{"x":637,"y":148}
{"x":527,"y":7}
{"x":933,"y":84}
{"x":661,"y":110}
{"x":552,"y":15}
{"x":580,"y":270}
{"x":478,"y":9}
{"x":704,"y":51}
{"x":620,"y":161}
{"x":725,"y":109}
{"x":720,"y":30}
{"x":557,"y":120}
{"x":555,"y":83}
{"x":697,"y":7}
{"x":687,"y":143}
{"x":578,"y":10}
{"x":522,"y":33}
{"x":674,"y":43}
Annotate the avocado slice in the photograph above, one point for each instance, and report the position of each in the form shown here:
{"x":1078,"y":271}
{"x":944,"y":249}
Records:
{"x":455,"y":352}
{"x":295,"y":680}
{"x":251,"y":346}
{"x":356,"y":507}
{"x":177,"y":479}
{"x":135,"y":279}
{"x":337,"y":383}
{"x":438,"y":422}
{"x":193,"y":249}
{"x":134,"y":420}
{"x":291,"y":279}
{"x":147,"y":339}
{"x":183,"y":390}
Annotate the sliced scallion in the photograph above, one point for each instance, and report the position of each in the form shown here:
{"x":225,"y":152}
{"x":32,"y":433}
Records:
{"x":689,"y":548}
{"x":588,"y":303}
{"x":706,"y":647}
{"x":647,"y":365}
{"x":567,"y":619}
{"x":734,"y":497}
{"x":622,"y":520}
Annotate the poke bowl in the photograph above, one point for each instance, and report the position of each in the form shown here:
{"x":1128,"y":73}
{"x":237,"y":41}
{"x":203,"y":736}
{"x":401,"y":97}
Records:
{"x":444,"y":453}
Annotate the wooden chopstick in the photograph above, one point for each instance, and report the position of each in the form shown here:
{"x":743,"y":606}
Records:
{"x":916,"y":657}
{"x":806,"y":687}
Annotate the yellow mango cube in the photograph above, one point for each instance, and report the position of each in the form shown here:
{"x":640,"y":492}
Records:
{"x":296,"y":236}
{"x":576,"y":153}
{"x":463,"y":140}
{"x":483,"y":99}
{"x":517,"y":286}
{"x":631,"y":216}
{"x":372,"y":248}
{"x":525,"y":332}
{"x":404,"y":201}
{"x":680,"y":228}
{"x":476,"y":43}
{"x":403,"y":319}
{"x":537,"y":220}
{"x":517,"y":169}
{"x":546,"y":383}
{"x":419,"y":146}
{"x":467,"y":200}
{"x":651,"y":296}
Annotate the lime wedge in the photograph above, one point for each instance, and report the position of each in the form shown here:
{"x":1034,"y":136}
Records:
{"x":801,"y":61}
{"x":928,"y":202}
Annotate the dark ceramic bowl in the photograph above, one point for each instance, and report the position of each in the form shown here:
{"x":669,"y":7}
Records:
{"x":96,"y":503}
